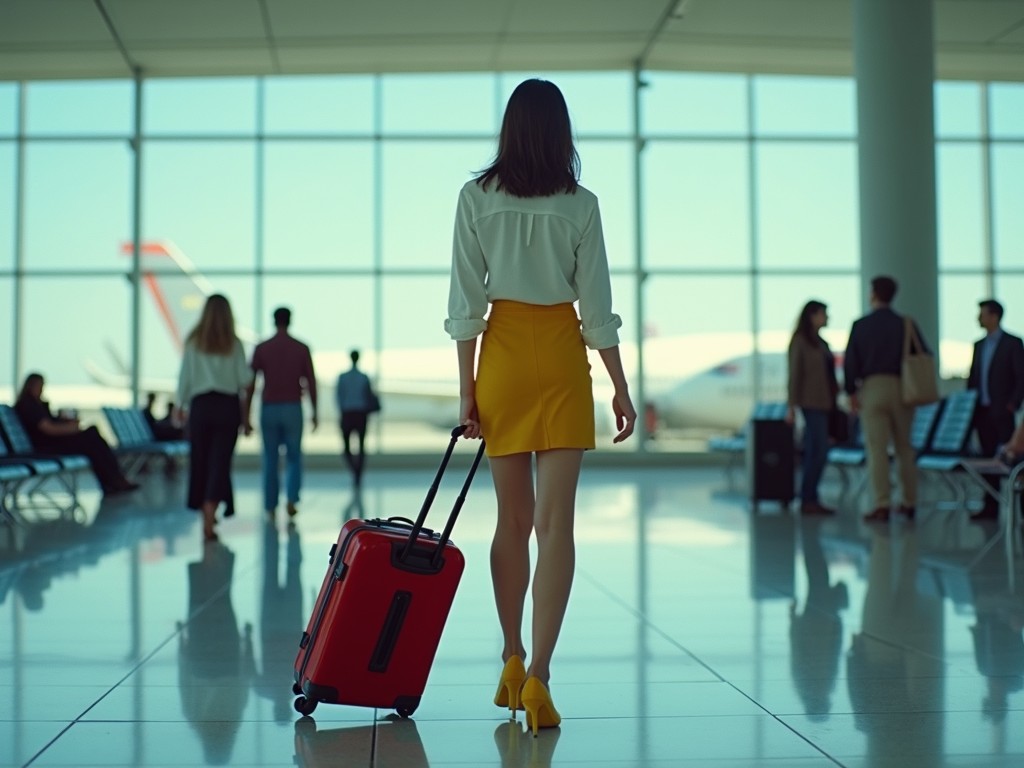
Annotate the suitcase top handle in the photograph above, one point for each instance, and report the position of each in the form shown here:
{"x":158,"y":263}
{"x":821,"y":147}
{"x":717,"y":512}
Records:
{"x":421,"y":518}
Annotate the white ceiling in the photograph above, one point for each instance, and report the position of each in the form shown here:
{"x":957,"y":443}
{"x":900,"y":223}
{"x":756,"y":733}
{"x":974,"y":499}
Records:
{"x":975,"y":39}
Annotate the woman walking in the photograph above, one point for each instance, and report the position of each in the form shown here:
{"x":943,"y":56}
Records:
{"x":213,"y":381}
{"x":528,"y":243}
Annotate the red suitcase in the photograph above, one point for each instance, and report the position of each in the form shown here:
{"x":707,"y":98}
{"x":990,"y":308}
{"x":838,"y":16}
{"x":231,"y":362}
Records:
{"x":382,"y":606}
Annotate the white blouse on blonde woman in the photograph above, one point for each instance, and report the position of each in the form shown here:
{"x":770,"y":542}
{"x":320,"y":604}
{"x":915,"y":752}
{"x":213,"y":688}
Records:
{"x":202,"y":372}
{"x":536,"y":250}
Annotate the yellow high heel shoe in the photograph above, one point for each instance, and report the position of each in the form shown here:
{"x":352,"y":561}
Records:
{"x":512,"y":677}
{"x":540,"y":711}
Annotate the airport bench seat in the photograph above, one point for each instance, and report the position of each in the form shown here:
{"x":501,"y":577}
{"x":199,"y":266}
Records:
{"x":136,"y":443}
{"x":16,"y":449}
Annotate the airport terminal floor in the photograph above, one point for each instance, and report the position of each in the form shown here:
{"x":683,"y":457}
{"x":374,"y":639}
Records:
{"x":697,"y":634}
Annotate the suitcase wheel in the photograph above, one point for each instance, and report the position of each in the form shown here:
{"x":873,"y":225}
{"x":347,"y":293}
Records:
{"x":305,"y":706}
{"x":296,"y":689}
{"x":405,"y":712}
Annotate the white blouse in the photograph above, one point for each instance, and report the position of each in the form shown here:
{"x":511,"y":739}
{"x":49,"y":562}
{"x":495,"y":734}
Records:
{"x":536,"y":250}
{"x":202,"y":372}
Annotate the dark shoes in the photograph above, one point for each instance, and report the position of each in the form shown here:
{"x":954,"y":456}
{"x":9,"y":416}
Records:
{"x":877,"y":515}
{"x":815,"y":508}
{"x":121,"y":486}
{"x":986,"y":513}
{"x":882,"y":514}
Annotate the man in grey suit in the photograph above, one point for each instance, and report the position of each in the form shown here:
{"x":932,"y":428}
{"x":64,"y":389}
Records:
{"x":997,"y":372}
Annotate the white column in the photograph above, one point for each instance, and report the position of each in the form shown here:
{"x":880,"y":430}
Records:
{"x":894,"y":61}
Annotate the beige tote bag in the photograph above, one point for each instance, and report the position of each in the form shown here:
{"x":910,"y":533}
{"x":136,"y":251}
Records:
{"x":918,"y":380}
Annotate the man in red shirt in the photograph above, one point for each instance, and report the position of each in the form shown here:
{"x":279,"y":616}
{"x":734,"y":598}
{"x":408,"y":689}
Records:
{"x":287,"y":369}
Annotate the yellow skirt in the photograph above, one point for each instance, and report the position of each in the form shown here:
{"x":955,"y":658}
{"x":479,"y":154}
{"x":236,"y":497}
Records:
{"x":533,"y":386}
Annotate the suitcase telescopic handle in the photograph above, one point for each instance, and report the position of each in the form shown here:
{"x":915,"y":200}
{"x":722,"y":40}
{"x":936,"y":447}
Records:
{"x":422,"y":516}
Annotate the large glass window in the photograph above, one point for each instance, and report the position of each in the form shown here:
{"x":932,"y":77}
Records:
{"x":960,"y":198}
{"x":77,"y":204}
{"x":318,"y":105}
{"x":694,"y":104}
{"x":807,"y":206}
{"x":420,"y":189}
{"x":607,"y":171}
{"x":76,"y":332}
{"x":202,"y":106}
{"x":1007,"y":110}
{"x":7,"y":334}
{"x":8,"y":109}
{"x":79,"y":108}
{"x":8,"y":193}
{"x":429,"y":104}
{"x":1007,"y":204}
{"x":782,"y":297}
{"x":318,"y":205}
{"x":958,"y":322}
{"x":336,"y":195}
{"x":696,"y":205}
{"x":958,"y":110}
{"x":804,"y":106}
{"x":200,"y":196}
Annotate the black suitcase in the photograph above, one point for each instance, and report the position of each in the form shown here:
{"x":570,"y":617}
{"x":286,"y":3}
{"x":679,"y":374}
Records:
{"x":771,"y":456}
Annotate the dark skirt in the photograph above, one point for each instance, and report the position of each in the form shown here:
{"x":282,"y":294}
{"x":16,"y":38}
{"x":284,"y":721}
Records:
{"x":213,"y":422}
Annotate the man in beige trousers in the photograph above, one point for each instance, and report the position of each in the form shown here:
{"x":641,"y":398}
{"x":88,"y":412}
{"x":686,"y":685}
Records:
{"x":874,"y":354}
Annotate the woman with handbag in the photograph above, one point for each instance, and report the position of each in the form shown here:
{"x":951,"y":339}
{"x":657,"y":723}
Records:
{"x":812,"y":389}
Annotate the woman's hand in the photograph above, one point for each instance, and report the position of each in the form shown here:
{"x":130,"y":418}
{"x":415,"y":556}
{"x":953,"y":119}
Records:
{"x":468,"y":417}
{"x":625,"y":416}
{"x":790,"y":415}
{"x":180,"y":417}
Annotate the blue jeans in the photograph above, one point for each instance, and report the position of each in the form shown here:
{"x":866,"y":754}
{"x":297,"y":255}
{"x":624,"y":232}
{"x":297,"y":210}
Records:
{"x":281,"y":424}
{"x":815,"y":452}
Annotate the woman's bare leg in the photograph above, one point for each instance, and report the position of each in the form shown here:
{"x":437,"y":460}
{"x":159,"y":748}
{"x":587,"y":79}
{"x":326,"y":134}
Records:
{"x":209,"y":510}
{"x":510,"y":549}
{"x":558,"y":473}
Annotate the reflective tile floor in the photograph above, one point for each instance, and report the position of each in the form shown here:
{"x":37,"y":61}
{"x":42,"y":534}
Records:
{"x":698,"y":634}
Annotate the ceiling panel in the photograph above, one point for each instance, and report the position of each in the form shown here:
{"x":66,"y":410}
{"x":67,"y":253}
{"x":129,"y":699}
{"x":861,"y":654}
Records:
{"x":69,"y":38}
{"x":28,"y":22}
{"x":186,"y":20}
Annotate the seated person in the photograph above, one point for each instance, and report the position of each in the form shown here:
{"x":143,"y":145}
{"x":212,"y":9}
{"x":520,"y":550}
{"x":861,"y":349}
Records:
{"x":1012,"y":453}
{"x":163,"y":429}
{"x":65,"y":437}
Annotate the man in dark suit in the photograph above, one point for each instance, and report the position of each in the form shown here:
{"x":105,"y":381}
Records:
{"x":872,"y":367}
{"x":997,"y":372}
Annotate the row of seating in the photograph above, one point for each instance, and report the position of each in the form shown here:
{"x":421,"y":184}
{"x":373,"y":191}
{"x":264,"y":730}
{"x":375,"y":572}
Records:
{"x":940,"y":434}
{"x":26,"y":472}
{"x":136,"y":443}
{"x":18,"y":456}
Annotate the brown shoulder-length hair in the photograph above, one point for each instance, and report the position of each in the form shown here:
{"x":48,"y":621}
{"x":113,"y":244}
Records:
{"x":536,"y":154}
{"x":804,"y":327}
{"x":214,"y":334}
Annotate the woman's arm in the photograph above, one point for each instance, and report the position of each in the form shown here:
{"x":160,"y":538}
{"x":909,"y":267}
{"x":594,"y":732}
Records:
{"x":467,"y":387}
{"x":55,"y":428}
{"x":622,"y":405}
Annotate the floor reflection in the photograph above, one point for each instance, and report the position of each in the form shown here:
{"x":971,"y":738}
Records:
{"x":816,"y":631}
{"x":281,"y":618}
{"x":697,"y":634}
{"x":895,"y":662}
{"x":215,"y":659}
